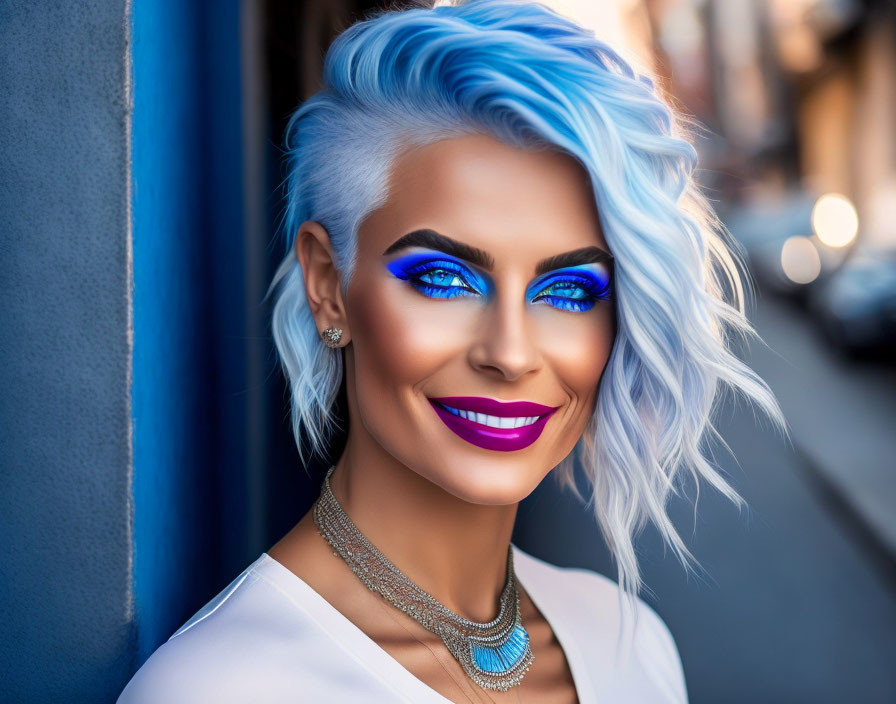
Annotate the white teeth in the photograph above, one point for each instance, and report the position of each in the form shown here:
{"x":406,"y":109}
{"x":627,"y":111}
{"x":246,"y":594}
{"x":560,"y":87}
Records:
{"x":493,"y":421}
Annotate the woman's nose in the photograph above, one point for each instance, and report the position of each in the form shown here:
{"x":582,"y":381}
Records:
{"x":505,"y":342}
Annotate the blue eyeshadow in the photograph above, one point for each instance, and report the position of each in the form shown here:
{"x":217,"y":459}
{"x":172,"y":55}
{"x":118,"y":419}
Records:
{"x":585,"y":285}
{"x":414,"y":267}
{"x":438,"y":275}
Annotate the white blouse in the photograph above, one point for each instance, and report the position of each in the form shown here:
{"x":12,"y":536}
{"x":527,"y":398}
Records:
{"x":270,"y":638}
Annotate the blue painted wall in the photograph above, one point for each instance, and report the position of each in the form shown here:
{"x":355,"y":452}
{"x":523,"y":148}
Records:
{"x":125,"y":476}
{"x":172,"y":390}
{"x":189,"y":329}
{"x":66,"y":631}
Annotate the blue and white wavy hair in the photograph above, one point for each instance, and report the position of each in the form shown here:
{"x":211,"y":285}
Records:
{"x":533,"y":79}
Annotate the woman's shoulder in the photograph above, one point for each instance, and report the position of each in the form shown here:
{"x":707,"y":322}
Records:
{"x":636,"y":646}
{"x":235,"y":644}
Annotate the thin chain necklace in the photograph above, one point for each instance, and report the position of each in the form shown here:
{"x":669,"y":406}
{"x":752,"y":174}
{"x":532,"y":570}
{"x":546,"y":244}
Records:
{"x":495,"y":655}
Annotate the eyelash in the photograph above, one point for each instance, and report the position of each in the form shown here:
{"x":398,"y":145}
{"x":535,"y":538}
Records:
{"x":592,"y":291}
{"x":415,"y":277}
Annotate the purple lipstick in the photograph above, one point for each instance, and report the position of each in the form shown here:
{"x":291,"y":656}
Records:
{"x":491,"y":424}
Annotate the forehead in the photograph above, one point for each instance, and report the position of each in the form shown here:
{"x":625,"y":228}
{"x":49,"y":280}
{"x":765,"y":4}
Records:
{"x":489,"y":194}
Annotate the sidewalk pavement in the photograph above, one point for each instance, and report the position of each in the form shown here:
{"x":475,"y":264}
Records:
{"x":842,"y":413}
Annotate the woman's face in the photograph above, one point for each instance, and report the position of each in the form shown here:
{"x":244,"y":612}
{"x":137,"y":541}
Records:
{"x":458,"y":306}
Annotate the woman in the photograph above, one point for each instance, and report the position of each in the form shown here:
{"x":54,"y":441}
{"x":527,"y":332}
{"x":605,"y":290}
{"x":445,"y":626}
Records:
{"x":496,"y":243}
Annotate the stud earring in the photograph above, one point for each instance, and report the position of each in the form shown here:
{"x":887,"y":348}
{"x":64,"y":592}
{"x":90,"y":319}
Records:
{"x":331,"y":337}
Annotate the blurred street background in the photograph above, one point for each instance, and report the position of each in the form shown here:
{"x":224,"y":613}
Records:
{"x":796,"y":105}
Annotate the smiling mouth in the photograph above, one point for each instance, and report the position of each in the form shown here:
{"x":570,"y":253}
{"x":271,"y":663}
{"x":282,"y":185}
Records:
{"x":492,"y":421}
{"x":493,"y":425}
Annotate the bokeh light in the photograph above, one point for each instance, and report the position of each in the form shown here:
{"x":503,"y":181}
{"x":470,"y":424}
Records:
{"x":835,"y":220}
{"x":800,"y":260}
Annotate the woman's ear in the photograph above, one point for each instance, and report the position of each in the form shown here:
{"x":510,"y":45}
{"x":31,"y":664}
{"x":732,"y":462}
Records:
{"x":322,"y":289}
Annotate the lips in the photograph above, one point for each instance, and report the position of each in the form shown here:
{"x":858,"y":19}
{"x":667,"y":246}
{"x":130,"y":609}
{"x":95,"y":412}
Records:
{"x":477,"y":430}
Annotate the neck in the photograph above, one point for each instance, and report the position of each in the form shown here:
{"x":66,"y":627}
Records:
{"x":453,"y":549}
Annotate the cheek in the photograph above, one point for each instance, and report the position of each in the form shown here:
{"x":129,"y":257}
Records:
{"x":401,"y":338}
{"x":578,"y":346}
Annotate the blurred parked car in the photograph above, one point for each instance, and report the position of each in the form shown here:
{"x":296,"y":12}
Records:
{"x":856,"y":305}
{"x":763,"y":228}
{"x":795,"y":241}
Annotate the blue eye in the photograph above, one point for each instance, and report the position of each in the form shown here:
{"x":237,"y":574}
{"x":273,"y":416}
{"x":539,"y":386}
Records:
{"x":576,"y":293}
{"x":436,"y":278}
{"x":575,"y":289}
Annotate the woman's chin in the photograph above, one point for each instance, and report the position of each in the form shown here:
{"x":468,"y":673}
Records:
{"x":493,"y":483}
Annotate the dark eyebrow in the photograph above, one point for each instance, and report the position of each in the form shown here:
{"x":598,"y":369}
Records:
{"x":577,"y":257}
{"x":434,"y":240}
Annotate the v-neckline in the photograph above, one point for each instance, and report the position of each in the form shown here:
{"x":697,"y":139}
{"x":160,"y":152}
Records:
{"x":378,"y":660}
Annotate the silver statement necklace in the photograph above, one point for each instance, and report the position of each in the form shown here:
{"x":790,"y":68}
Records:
{"x":495,"y":655}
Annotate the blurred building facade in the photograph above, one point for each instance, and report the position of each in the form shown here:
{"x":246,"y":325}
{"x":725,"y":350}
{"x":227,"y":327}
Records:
{"x":798,"y":93}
